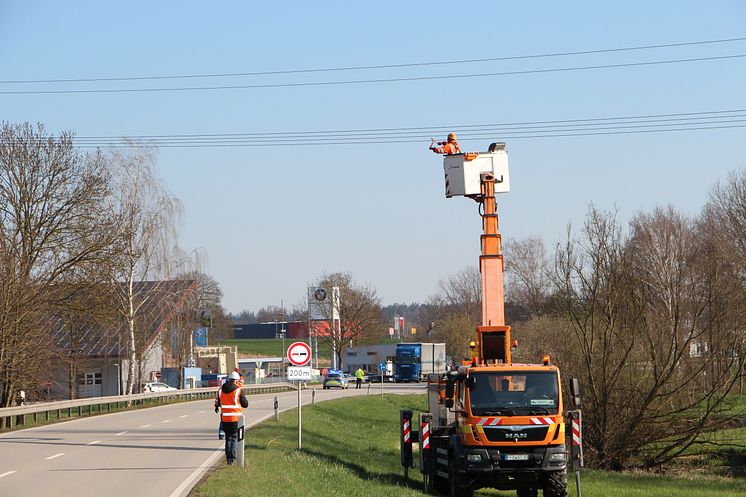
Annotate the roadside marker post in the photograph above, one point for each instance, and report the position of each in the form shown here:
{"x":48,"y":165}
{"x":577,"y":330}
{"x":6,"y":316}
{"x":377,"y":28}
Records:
{"x":241,"y":436}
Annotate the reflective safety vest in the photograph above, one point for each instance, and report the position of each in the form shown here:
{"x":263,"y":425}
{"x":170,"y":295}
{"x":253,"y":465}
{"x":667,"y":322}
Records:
{"x":230,"y":406}
{"x":451,"y":148}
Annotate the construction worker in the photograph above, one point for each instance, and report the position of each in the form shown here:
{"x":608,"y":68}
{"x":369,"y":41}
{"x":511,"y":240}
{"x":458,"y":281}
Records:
{"x":230,"y":402}
{"x":239,"y":384}
{"x":359,"y":378}
{"x":449,"y":147}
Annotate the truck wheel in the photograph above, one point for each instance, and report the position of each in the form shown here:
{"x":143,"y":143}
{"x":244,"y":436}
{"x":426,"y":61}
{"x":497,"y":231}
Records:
{"x":440,"y":486}
{"x":454,"y":484}
{"x":556,"y":484}
{"x":527,"y":492}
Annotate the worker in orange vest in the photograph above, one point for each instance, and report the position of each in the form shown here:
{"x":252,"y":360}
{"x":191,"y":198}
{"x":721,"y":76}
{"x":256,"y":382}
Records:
{"x":239,"y":384}
{"x":230,"y":403}
{"x":449,"y":147}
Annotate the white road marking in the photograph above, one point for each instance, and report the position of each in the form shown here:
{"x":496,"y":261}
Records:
{"x":120,"y":433}
{"x":201,"y":412}
{"x":166,"y":421}
{"x":186,"y":485}
{"x":184,"y":415}
{"x":94,"y":442}
{"x":55,"y":456}
{"x":6,"y":473}
{"x":144,"y":426}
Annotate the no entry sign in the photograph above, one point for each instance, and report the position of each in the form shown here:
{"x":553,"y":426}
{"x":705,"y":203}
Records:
{"x":299,"y":353}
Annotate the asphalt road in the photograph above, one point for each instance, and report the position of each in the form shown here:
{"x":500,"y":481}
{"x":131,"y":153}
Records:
{"x":155,"y":452}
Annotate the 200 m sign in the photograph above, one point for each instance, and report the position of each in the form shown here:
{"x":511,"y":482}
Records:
{"x":299,"y":373}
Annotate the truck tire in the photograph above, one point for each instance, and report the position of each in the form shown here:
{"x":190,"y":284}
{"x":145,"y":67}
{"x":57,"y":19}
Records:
{"x":439,"y":485}
{"x":556,"y":484}
{"x":527,"y":492}
{"x":454,"y":487}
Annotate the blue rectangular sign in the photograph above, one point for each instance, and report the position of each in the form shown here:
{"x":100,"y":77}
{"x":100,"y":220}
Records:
{"x":200,"y":337}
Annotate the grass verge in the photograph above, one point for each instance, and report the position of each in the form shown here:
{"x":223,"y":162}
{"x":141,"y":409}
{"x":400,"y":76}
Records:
{"x":351,"y":449}
{"x":268,"y":347}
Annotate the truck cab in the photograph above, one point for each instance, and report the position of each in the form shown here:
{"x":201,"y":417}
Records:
{"x":511,"y":426}
{"x":407,"y":364}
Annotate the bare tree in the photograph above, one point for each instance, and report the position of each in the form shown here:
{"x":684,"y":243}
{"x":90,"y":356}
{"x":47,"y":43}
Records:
{"x":145,"y":215}
{"x":461,"y":292}
{"x":637,"y":309}
{"x":359,"y":309}
{"x":456,"y":310}
{"x":51,"y":199}
{"x":528,"y":278}
{"x":207,"y":294}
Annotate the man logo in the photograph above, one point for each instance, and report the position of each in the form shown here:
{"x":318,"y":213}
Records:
{"x":516,"y":436}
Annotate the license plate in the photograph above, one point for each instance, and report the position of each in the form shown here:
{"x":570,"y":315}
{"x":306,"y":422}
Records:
{"x":515,"y":457}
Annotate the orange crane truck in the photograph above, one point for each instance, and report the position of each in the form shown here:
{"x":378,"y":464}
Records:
{"x":491,"y":423}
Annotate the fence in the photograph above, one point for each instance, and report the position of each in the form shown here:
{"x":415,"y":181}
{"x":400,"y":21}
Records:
{"x":49,"y":411}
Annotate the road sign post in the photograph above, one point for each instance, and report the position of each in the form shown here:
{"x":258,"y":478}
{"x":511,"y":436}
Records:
{"x":382,"y":369}
{"x":299,"y":353}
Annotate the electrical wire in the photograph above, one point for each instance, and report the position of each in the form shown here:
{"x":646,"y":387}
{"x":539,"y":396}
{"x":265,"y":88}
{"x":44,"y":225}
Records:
{"x":399,"y":131}
{"x":371,"y":81}
{"x":370,"y":67}
{"x":702,"y":120}
{"x":670,"y":121}
{"x":315,"y":143}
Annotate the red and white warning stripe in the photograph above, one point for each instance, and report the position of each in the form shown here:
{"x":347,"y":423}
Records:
{"x":407,"y":431}
{"x":425,"y":435}
{"x":490,"y":421}
{"x":576,"y":436}
{"x":542,"y":421}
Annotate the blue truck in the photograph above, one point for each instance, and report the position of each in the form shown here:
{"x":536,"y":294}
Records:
{"x":414,"y":361}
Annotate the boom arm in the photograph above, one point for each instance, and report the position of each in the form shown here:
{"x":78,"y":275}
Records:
{"x":480,"y":176}
{"x":493,"y":337}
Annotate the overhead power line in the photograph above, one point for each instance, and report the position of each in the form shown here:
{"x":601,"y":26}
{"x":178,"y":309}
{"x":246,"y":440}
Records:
{"x":370,"y":67}
{"x":371,"y":81}
{"x":673,"y":122}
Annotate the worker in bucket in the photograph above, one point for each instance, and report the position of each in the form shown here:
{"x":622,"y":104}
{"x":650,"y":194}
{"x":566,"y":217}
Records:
{"x":231,"y":402}
{"x":449,"y":147}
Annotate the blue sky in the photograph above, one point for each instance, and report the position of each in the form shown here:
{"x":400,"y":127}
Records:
{"x":272,"y":219}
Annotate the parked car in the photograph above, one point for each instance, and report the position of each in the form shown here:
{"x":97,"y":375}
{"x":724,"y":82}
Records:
{"x":372,"y":377}
{"x":336,"y":380}
{"x":157,"y":386}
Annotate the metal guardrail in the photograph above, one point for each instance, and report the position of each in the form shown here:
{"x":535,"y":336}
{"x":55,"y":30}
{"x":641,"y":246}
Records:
{"x":14,"y":416}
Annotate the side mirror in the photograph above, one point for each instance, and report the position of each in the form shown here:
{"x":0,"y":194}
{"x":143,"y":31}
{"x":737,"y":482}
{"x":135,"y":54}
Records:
{"x":449,"y":391}
{"x":470,"y":383}
{"x":449,"y":403}
{"x":575,"y":392}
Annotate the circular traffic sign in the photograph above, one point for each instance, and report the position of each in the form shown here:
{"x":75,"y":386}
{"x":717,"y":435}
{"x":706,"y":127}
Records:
{"x":299,"y":353}
{"x":320,"y":294}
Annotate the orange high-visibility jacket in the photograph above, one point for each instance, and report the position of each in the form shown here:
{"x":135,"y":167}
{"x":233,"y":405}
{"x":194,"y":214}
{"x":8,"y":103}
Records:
{"x":449,"y":148}
{"x":230,"y":406}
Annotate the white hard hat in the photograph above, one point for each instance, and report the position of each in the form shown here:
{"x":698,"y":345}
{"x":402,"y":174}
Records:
{"x":234,"y":376}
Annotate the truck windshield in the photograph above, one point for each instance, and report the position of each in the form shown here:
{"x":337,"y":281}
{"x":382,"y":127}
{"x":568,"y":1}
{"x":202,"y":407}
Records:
{"x":514,"y":393}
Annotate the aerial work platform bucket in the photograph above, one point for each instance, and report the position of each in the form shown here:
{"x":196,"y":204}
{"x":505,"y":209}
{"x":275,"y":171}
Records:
{"x":463,"y":172}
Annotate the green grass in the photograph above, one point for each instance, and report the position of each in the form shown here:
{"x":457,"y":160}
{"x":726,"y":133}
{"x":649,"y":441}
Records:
{"x":736,"y":405}
{"x":351,"y":449}
{"x":268,"y":347}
